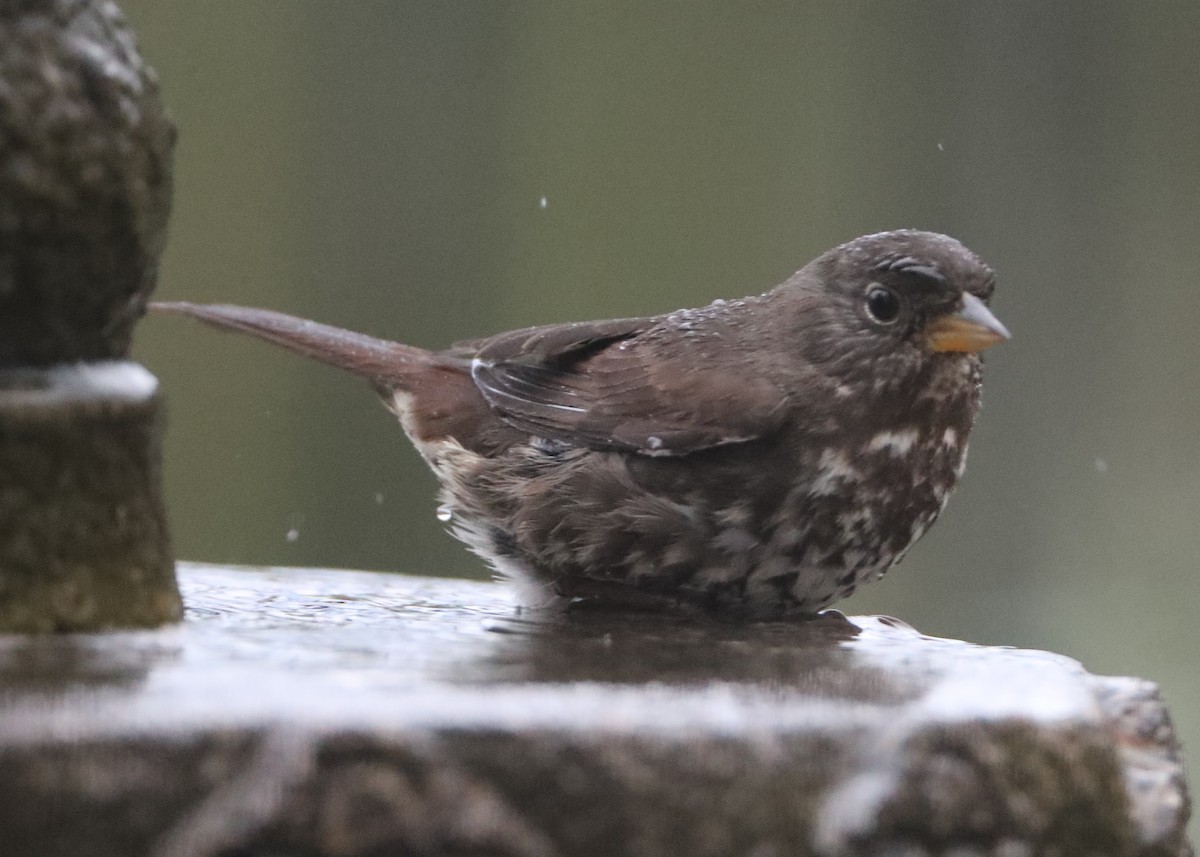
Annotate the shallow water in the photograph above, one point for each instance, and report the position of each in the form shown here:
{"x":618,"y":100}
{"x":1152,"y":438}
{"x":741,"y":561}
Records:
{"x":301,"y":644}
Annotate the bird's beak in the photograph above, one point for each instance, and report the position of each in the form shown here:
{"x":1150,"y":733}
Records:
{"x":973,"y":328}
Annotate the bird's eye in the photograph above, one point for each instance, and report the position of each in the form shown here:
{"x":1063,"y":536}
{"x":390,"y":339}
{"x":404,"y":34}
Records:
{"x":882,"y":304}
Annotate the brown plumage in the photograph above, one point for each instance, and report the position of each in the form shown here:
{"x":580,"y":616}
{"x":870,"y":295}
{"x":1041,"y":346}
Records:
{"x":756,"y":457}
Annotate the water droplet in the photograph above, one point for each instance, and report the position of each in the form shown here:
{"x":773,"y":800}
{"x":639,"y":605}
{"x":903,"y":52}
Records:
{"x":378,"y":498}
{"x":542,"y":203}
{"x":292,"y":534}
{"x":445,"y":513}
{"x":1101,"y":465}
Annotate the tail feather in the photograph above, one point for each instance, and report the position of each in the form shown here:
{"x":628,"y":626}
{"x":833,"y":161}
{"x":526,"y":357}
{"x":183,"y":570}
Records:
{"x":378,"y":360}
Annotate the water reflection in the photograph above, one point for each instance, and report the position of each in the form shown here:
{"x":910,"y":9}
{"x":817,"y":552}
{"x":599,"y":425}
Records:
{"x":64,"y":663}
{"x":340,"y":642}
{"x":624,"y":647}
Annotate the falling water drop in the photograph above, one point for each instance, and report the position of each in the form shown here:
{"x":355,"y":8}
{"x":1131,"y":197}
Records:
{"x":445,"y":513}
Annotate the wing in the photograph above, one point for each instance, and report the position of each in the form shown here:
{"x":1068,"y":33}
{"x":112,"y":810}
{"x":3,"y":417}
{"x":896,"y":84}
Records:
{"x":639,"y":385}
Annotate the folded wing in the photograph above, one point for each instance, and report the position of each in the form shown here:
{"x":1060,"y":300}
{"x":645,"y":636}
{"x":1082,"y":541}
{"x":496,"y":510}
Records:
{"x":637,"y":385}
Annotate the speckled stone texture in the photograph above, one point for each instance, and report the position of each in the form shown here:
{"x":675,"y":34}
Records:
{"x":85,"y":190}
{"x":308,"y":712}
{"x":85,"y":181}
{"x":83,"y":538}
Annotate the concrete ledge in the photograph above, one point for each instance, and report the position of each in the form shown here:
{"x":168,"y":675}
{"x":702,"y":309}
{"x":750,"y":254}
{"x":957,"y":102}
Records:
{"x":342,"y":713}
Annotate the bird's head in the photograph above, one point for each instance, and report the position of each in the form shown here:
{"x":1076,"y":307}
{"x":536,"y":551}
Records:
{"x":896,"y":302}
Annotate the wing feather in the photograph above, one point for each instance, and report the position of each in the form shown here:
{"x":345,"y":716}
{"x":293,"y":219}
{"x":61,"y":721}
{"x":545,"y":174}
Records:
{"x":628,"y":384}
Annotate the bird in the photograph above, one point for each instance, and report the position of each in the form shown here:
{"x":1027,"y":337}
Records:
{"x":752,"y":459}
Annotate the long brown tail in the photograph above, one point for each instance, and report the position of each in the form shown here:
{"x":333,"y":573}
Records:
{"x":377,"y":360}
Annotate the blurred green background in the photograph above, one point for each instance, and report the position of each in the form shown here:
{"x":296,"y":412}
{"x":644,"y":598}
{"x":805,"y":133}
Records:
{"x":435,"y":171}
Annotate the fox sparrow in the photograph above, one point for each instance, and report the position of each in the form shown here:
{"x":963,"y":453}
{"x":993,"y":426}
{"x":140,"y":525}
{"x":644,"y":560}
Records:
{"x":756,"y":457}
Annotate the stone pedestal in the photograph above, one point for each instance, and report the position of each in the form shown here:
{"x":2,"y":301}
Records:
{"x":83,"y":541}
{"x":339,"y":713}
{"x":85,"y":190}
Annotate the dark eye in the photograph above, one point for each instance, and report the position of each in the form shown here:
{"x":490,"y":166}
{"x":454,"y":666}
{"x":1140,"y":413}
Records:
{"x":882,"y":304}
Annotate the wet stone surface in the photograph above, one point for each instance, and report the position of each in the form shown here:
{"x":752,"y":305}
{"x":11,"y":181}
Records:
{"x":299,"y":711}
